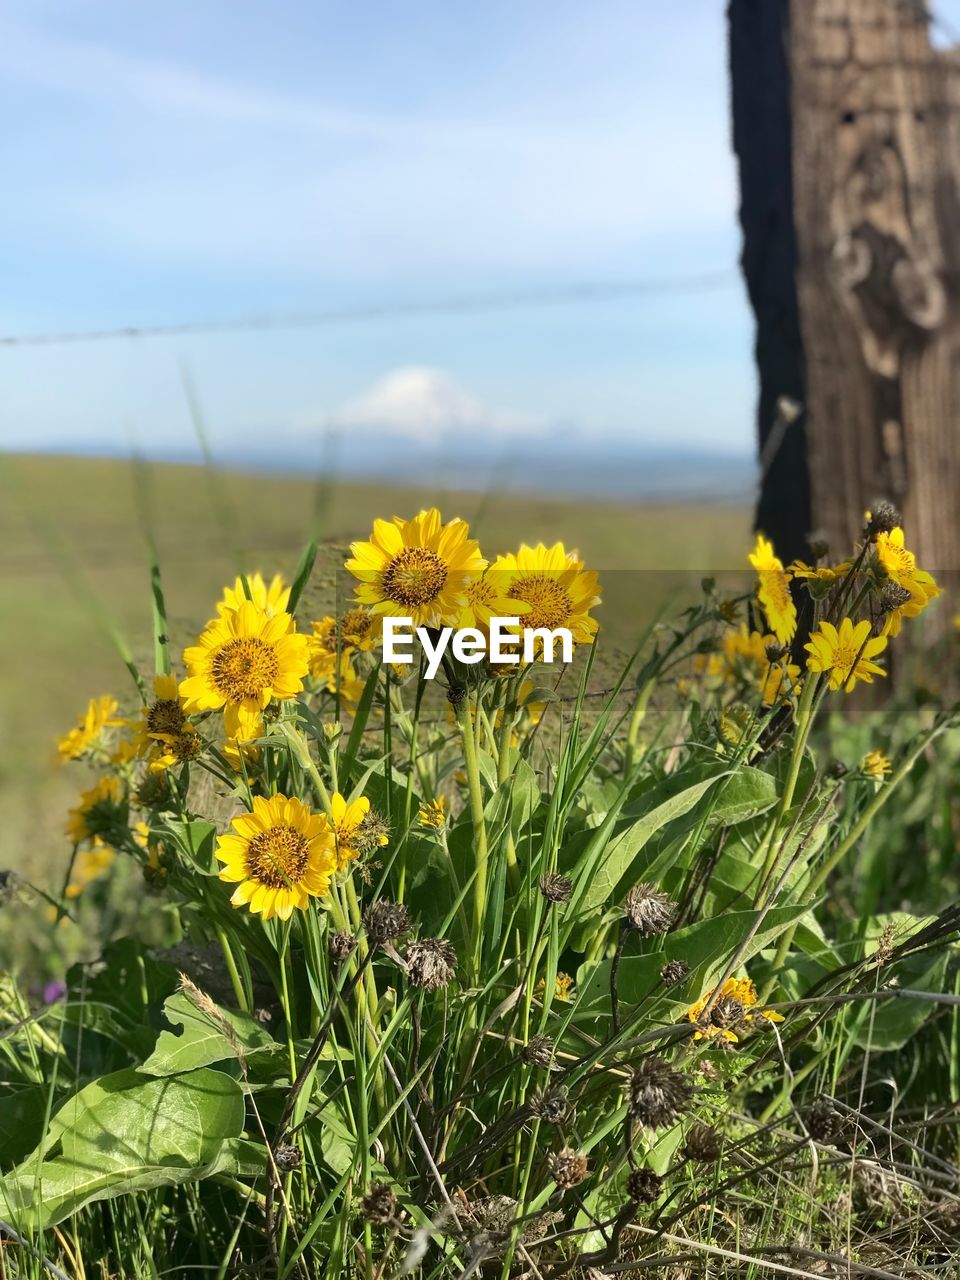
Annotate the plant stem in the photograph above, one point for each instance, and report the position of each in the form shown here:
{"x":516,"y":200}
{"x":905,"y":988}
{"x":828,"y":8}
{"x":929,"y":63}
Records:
{"x":465,"y":724}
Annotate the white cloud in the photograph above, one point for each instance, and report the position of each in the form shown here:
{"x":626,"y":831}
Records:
{"x":424,"y":405}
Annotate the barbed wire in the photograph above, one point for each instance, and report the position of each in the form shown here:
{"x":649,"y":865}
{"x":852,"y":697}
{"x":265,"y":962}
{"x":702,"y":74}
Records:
{"x":557,"y":295}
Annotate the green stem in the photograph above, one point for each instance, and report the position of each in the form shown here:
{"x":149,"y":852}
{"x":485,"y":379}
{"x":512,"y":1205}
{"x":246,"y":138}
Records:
{"x":235,"y":981}
{"x":465,"y":724}
{"x":805,"y":718}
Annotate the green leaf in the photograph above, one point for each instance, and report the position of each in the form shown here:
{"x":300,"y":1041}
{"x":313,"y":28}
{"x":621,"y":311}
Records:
{"x":22,"y":1112}
{"x":301,"y":577}
{"x":124,"y":1133}
{"x":203,"y":1039}
{"x":195,"y":841}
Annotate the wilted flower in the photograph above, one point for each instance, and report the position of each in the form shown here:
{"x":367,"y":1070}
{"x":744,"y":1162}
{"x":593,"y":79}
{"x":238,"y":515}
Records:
{"x":556,"y":888}
{"x":643,"y":1186}
{"x":658,"y":1093}
{"x":431,"y":963}
{"x":567,"y":1168}
{"x":538,"y":1051}
{"x":379,"y":1205}
{"x":703,"y":1145}
{"x":385,"y":921}
{"x":732,"y":1009}
{"x":648,"y":911}
{"x":551,"y":1105}
{"x":341,"y":946}
{"x":287,"y":1157}
{"x":674,"y":972}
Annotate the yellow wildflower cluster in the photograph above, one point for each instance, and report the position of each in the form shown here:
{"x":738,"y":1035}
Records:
{"x":735,"y":1006}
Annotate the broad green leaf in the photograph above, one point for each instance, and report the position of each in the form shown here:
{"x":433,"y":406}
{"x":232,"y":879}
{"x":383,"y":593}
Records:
{"x":22,"y":1112}
{"x":194,"y":841}
{"x":125,"y":1132}
{"x":199,"y":1038}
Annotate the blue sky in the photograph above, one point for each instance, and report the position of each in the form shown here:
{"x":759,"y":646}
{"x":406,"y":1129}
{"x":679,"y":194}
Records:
{"x":185,"y":161}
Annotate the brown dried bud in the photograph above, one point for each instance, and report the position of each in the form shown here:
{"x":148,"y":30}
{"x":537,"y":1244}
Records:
{"x":385,"y":921}
{"x":674,"y":972}
{"x":431,"y":963}
{"x":703,"y":1145}
{"x":341,"y":946}
{"x":893,"y":596}
{"x":455,"y":695}
{"x":824,"y":1122}
{"x":287,"y":1157}
{"x":538,"y":1051}
{"x":658,"y":1093}
{"x":551,"y":1105}
{"x":836,"y":769}
{"x":882,"y":518}
{"x":379,"y":1205}
{"x":648,"y":911}
{"x":567,"y":1168}
{"x":643,"y":1186}
{"x":776,"y":652}
{"x":556,"y":888}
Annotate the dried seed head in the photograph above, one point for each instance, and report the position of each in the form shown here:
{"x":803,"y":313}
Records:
{"x":882,"y":518}
{"x":649,"y":911}
{"x":556,"y":888}
{"x":824,"y":1122}
{"x":287,"y":1157}
{"x":893,"y":597}
{"x":703,"y":1144}
{"x":819,"y":547}
{"x":372,"y":833}
{"x":776,"y":652}
{"x":379,"y":1205}
{"x":643,"y":1186}
{"x":551,"y":1105}
{"x":538,"y":1051}
{"x":674,"y":972}
{"x":341,"y":946}
{"x":658,"y":1093}
{"x":431,"y":963}
{"x":385,"y":921}
{"x":567,"y":1168}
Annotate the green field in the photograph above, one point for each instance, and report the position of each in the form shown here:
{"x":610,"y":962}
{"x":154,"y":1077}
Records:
{"x":73,"y":531}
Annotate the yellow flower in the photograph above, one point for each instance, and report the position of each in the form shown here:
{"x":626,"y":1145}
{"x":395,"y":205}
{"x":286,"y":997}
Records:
{"x":89,"y":865}
{"x":271,"y":600}
{"x":746,"y":658}
{"x":900,"y":566}
{"x":432,"y":813}
{"x":279,"y":856}
{"x":562,"y":989}
{"x":743,"y":995}
{"x":99,"y":715}
{"x":876,"y":765}
{"x":554,"y":585}
{"x":100,"y":811}
{"x":164,"y":720}
{"x":773,"y":591}
{"x":487,"y":596}
{"x":416,"y":568}
{"x":348,"y":828}
{"x":350,"y":685}
{"x":322,"y":651}
{"x":826,"y":573}
{"x":846,"y":653}
{"x":241,"y":661}
{"x":360,"y":629}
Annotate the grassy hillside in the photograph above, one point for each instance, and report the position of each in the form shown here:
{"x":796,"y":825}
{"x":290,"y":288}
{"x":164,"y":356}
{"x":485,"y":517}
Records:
{"x":73,"y":532}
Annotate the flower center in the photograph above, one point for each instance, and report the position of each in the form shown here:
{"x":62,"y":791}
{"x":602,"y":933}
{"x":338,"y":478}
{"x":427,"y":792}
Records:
{"x":243,"y":667}
{"x":481,"y":592}
{"x":355,"y":625}
{"x":414,"y":577}
{"x":165,"y":716}
{"x":277,"y":857}
{"x":844,"y":658}
{"x":550,"y":605}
